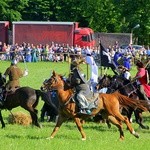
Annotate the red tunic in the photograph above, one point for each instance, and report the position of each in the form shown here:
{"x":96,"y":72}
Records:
{"x":143,"y":80}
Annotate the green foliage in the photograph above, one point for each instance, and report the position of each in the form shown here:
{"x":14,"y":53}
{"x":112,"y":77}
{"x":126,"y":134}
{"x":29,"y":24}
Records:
{"x":103,"y":16}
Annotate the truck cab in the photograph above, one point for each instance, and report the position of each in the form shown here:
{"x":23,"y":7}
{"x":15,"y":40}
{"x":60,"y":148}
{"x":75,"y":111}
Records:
{"x":84,"y":37}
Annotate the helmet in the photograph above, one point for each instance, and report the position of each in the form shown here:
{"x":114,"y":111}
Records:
{"x":14,"y":62}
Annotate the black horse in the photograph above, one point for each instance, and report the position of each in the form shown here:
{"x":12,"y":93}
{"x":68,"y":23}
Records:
{"x":127,"y":88}
{"x":26,"y":97}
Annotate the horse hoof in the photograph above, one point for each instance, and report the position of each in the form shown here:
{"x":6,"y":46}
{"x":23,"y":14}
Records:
{"x":136,"y":135}
{"x":83,"y":139}
{"x":147,"y":127}
{"x":48,"y":138}
{"x":121,"y":138}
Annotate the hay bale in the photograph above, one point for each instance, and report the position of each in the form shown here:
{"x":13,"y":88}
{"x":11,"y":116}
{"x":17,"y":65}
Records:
{"x":20,"y":118}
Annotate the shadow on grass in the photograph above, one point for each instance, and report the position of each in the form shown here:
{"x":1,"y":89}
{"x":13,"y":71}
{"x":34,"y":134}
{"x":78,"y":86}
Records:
{"x":14,"y":136}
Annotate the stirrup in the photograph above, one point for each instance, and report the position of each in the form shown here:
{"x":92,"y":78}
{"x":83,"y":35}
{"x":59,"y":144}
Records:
{"x":85,"y":111}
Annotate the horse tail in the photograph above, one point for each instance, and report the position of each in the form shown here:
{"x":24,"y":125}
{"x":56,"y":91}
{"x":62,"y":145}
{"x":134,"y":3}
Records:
{"x":126,"y":102}
{"x":46,"y":98}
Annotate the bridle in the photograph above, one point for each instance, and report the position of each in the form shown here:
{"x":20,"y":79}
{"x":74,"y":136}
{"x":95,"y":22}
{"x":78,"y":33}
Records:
{"x":51,"y":84}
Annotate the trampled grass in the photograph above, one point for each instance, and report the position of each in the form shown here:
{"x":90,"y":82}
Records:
{"x":99,"y":137}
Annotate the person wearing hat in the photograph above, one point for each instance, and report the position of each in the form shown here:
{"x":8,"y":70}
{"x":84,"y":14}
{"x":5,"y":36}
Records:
{"x":14,"y":73}
{"x":75,"y":64}
{"x":142,"y":82}
{"x":124,"y":72}
{"x":82,"y":89}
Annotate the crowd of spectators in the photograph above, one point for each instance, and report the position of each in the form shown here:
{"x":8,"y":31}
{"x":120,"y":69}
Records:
{"x":59,"y":53}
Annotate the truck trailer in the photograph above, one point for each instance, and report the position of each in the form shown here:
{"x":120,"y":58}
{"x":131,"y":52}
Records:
{"x":36,"y":32}
{"x":4,"y":26}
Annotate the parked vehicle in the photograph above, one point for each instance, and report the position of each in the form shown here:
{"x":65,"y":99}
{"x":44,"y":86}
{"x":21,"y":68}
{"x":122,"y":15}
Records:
{"x":136,"y":47}
{"x":58,"y":32}
{"x":4,"y":26}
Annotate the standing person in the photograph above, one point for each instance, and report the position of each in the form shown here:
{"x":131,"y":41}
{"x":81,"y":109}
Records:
{"x":14,"y":73}
{"x":141,"y":77}
{"x":34,"y":54}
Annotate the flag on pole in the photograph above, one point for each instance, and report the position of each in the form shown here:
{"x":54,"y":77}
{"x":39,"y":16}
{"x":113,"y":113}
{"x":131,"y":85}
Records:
{"x":93,"y":67}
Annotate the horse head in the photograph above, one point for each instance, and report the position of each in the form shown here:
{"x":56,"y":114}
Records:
{"x":103,"y":82}
{"x":55,"y":82}
{"x":123,"y":85}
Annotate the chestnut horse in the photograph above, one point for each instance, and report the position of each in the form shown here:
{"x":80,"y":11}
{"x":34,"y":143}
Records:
{"x":107,"y":103}
{"x":127,"y":88}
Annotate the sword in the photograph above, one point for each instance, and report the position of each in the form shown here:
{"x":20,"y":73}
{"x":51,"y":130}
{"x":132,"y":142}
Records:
{"x":25,"y":65}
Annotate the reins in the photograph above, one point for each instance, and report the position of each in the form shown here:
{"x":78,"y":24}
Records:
{"x":130,"y":83}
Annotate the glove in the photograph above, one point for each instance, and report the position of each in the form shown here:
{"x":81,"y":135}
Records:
{"x":25,"y":73}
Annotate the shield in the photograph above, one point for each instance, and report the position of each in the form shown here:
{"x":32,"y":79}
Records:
{"x":77,"y":74}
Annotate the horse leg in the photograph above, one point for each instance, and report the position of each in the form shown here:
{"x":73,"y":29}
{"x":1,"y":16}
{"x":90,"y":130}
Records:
{"x":35,"y":118}
{"x":33,"y":112}
{"x":79,"y":125}
{"x":124,"y":119}
{"x":139,"y":119}
{"x":1,"y":119}
{"x":60,"y":121}
{"x":43,"y":111}
{"x":118,"y":124}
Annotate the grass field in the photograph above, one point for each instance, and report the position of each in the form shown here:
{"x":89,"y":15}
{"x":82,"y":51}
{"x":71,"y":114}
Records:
{"x":99,"y":137}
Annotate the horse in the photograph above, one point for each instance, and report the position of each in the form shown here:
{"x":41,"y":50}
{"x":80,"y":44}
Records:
{"x":26,"y":97}
{"x":127,"y":88}
{"x":108,"y":104}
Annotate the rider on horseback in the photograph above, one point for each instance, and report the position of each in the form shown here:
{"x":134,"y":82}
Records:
{"x":141,"y":77}
{"x":81,"y":87}
{"x":14,"y":73}
{"x":81,"y":90}
{"x":124,"y":72}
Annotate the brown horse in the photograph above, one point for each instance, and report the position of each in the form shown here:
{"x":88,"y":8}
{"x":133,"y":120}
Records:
{"x":26,"y":97}
{"x":107,"y":103}
{"x":127,"y":88}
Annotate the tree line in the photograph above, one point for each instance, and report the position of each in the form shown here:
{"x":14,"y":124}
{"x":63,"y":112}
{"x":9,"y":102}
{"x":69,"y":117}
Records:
{"x":111,"y":16}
